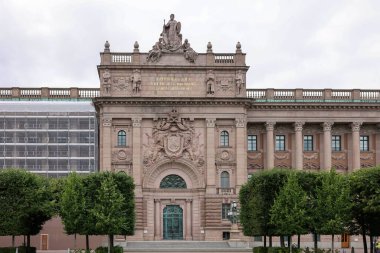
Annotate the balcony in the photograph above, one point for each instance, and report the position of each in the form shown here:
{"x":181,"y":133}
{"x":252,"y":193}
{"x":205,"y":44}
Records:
{"x":226,"y":191}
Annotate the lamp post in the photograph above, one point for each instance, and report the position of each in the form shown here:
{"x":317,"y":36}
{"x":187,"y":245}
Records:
{"x":233,"y":216}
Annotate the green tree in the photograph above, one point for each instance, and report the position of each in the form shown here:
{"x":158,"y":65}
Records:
{"x":333,"y":205}
{"x":256,"y":199}
{"x":288,"y":212}
{"x":27,"y":199}
{"x":109,"y":210}
{"x":72,"y":205}
{"x":365,"y":199}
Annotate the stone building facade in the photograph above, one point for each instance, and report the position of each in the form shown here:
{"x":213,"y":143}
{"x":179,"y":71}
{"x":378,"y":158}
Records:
{"x":185,"y":127}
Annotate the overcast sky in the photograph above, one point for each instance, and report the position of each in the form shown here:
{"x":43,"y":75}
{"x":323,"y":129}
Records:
{"x":289,"y":43}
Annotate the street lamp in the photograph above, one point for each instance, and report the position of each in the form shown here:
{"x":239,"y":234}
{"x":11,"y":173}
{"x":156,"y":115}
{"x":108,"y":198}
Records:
{"x":233,"y":213}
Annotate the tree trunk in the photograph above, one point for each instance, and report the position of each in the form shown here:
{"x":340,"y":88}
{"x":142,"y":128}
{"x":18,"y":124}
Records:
{"x":332,"y":243}
{"x":290,"y":243}
{"x":270,"y":241}
{"x":75,"y":241}
{"x":364,"y":241}
{"x":282,"y":241}
{"x":110,"y":243}
{"x":265,"y":241}
{"x":371,"y":242}
{"x":13,"y":241}
{"x":27,"y":243}
{"x":299,"y":241}
{"x":315,"y":242}
{"x":87,"y":244}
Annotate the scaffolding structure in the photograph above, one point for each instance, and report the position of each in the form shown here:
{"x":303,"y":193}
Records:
{"x":48,"y":137}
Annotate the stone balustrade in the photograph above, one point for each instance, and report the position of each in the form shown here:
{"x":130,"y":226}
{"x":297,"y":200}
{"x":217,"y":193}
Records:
{"x":44,"y":92}
{"x":313,"y":95}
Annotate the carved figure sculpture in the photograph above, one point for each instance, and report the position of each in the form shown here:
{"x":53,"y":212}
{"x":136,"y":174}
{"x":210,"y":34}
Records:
{"x":107,"y":81}
{"x":155,"y":54}
{"x":189,"y":53}
{"x":239,"y":81}
{"x":171,"y":34}
{"x":210,"y":82}
{"x":136,"y":81}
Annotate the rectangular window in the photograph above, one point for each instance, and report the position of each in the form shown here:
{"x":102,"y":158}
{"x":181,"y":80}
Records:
{"x":336,"y":143}
{"x":225,"y":209}
{"x":364,"y":143}
{"x":252,"y":142}
{"x":308,"y":143}
{"x":280,"y":142}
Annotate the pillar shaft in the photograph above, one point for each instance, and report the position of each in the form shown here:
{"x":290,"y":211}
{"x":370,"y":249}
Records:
{"x":355,"y":127}
{"x":269,"y":145}
{"x":210,"y":156}
{"x":299,"y":145}
{"x":327,"y":145}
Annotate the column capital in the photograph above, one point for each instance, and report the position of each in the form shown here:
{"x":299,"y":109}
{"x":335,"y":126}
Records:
{"x":327,"y":126}
{"x":136,"y":122}
{"x":355,"y":126}
{"x":189,"y":200}
{"x":240,"y":122}
{"x":107,"y":122}
{"x":210,"y":122}
{"x":298,"y":126}
{"x":157,"y":200}
{"x":269,"y":125}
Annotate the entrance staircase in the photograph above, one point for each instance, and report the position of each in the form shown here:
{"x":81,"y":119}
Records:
{"x":184,"y":246}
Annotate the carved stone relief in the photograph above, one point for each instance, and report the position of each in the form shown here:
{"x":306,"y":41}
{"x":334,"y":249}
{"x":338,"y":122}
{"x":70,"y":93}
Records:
{"x":225,"y":87}
{"x":120,"y":85}
{"x":282,"y":160}
{"x":225,"y":155}
{"x":173,"y":138}
{"x":121,"y":155}
{"x":255,"y":160}
{"x":311,"y":161}
{"x":339,"y":161}
{"x":106,"y":82}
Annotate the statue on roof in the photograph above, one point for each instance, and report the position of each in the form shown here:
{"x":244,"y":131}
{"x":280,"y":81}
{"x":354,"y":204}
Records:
{"x":171,"y":35}
{"x":170,"y":41}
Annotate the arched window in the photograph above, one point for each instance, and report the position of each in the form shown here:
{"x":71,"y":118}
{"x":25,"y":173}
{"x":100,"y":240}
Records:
{"x":173,"y":181}
{"x":225,"y":180}
{"x":224,"y":139}
{"x":121,"y":138}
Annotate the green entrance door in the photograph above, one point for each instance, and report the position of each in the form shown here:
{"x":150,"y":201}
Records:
{"x":173,"y":222}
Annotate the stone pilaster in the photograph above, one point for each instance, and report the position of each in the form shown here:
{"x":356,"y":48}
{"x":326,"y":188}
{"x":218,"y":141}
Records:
{"x":355,"y":127}
{"x":106,"y":145}
{"x":241,"y":154}
{"x":188,"y":220}
{"x":136,"y":146}
{"x":269,"y":145}
{"x":378,"y":145}
{"x":298,"y":126}
{"x":157,"y":220}
{"x":210,"y":153}
{"x":327,"y":145}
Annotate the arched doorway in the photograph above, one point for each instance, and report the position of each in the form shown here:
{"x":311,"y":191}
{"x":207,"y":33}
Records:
{"x":173,"y":223}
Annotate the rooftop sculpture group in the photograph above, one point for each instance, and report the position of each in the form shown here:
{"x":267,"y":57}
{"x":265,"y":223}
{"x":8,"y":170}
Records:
{"x":170,"y":41}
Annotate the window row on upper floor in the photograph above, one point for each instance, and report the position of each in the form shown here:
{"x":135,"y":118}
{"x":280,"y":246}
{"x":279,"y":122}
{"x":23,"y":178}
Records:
{"x":308,"y":143}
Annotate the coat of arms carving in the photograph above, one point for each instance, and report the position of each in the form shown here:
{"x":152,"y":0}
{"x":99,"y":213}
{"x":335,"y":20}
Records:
{"x":173,"y":138}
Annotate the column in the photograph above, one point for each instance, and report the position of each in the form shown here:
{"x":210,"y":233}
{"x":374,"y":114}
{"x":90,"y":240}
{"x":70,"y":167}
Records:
{"x":241,"y":154}
{"x":106,"y":145}
{"x":355,"y":127}
{"x":188,"y":220}
{"x":157,"y":220}
{"x":210,"y":153}
{"x":299,"y":145}
{"x":377,"y":145}
{"x":136,"y":149}
{"x":269,"y":145}
{"x":327,"y":145}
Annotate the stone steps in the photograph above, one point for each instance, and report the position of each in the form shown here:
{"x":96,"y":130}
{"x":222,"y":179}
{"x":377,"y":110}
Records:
{"x":184,"y":246}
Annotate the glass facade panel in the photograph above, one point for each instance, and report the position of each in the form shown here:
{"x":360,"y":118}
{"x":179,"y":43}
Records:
{"x":225,"y":180}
